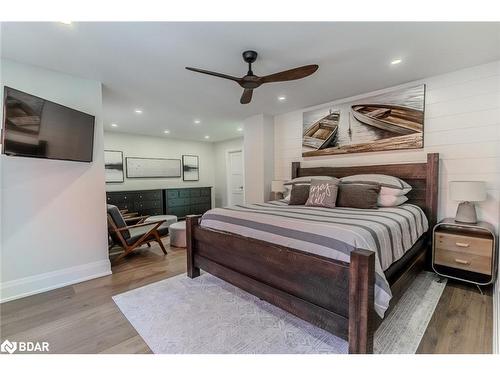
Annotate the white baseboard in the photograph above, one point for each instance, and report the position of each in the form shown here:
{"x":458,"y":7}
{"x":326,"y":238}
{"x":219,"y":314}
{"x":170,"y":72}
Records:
{"x":44,"y":282}
{"x":496,"y":318}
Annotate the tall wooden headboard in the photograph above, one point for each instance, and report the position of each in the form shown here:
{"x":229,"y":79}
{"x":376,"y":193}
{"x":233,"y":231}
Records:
{"x":423,"y":177}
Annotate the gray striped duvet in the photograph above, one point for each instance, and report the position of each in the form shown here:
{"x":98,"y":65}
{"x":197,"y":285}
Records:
{"x":333,"y":233}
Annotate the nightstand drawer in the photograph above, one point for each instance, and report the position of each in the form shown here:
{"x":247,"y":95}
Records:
{"x":464,"y":260}
{"x":464,"y":244}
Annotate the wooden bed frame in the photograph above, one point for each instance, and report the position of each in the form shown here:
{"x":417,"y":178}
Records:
{"x":331,"y":294}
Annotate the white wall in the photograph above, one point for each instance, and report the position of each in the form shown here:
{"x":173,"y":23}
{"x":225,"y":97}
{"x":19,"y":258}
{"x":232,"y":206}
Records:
{"x":259,"y":162}
{"x":133,"y":145}
{"x":53,"y":212}
{"x":462,"y":123}
{"x":220,"y":156}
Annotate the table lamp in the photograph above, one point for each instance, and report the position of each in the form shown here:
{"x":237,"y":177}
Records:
{"x":467,"y":192}
{"x":277,"y":189}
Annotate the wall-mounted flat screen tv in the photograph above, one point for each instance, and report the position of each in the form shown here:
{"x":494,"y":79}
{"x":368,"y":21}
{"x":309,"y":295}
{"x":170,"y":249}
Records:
{"x":38,"y":128}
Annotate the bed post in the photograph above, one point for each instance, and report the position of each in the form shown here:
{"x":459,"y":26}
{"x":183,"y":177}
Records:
{"x":361,"y":300}
{"x":192,"y":221}
{"x":431,"y":188}
{"x":295,"y":169}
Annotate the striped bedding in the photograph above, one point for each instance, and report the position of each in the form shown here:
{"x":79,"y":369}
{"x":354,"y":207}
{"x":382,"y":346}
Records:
{"x":333,"y":233}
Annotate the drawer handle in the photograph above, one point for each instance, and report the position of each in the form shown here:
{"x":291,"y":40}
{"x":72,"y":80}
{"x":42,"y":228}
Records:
{"x":461,"y":261}
{"x":462,"y":244}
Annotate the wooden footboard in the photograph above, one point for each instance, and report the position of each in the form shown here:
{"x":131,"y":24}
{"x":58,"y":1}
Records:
{"x":331,"y":294}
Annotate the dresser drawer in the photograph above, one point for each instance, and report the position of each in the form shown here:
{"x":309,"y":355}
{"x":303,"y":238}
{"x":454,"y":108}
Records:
{"x":194,"y":192}
{"x":464,"y":260}
{"x":149,"y":195}
{"x":468,"y":244}
{"x":177,"y":202}
{"x":199,"y":200}
{"x":205,"y":192}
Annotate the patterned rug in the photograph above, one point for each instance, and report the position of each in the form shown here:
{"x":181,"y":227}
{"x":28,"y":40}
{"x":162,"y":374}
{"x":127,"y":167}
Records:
{"x":208,"y":315}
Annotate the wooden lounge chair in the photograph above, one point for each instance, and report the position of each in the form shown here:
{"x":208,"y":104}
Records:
{"x":130,"y":237}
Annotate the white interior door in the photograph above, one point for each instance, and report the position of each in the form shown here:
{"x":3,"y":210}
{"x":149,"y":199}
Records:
{"x":235,"y":177}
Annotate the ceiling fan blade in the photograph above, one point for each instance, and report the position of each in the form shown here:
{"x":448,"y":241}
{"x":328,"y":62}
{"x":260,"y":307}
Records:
{"x":247,"y":96}
{"x":290,"y":75}
{"x":220,"y":75}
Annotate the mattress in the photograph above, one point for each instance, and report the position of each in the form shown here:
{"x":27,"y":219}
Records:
{"x":387,"y":231}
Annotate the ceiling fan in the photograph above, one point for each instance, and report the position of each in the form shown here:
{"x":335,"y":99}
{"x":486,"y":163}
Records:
{"x":250,"y":81}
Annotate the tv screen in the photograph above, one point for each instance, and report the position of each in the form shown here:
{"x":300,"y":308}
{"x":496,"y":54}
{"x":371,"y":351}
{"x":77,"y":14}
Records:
{"x":38,"y":128}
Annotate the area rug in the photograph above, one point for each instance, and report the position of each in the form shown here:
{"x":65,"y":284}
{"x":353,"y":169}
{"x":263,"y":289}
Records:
{"x":208,"y":315}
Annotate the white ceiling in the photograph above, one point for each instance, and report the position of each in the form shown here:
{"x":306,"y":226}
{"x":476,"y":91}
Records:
{"x":141,"y":65}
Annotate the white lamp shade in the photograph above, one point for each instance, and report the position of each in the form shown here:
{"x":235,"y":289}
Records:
{"x":277,"y":186}
{"x":468,"y":191}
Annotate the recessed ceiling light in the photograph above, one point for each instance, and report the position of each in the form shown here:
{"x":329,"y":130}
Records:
{"x":166,"y":131}
{"x":66,"y":22}
{"x":282,"y":98}
{"x":197,"y":121}
{"x":240,"y":129}
{"x":207,"y":137}
{"x":396,"y":61}
{"x":138,"y":111}
{"x":114,"y":125}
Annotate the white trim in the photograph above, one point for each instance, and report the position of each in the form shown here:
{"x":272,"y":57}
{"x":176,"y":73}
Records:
{"x":496,"y":318}
{"x":44,"y":282}
{"x":228,"y":180}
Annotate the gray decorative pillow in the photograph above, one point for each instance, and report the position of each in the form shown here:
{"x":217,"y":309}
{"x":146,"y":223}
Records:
{"x":306,"y":180}
{"x":322,"y":193}
{"x":358,"y":195}
{"x":299,"y":195}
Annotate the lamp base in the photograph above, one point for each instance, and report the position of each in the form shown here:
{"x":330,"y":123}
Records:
{"x":466,"y":213}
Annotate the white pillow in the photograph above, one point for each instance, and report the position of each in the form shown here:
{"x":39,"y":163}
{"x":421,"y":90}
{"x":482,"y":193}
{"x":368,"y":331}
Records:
{"x":379,"y":179}
{"x":307,"y":180}
{"x":390,"y":200}
{"x":394,"y":192}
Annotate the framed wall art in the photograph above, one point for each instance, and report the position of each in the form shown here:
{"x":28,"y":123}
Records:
{"x":190,"y":168}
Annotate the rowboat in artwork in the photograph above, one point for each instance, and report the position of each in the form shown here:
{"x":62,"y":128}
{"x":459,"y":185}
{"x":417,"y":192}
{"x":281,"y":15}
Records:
{"x":322,"y":132}
{"x":396,"y":119}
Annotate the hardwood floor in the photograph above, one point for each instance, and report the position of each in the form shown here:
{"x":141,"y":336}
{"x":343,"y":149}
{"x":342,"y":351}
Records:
{"x":462,"y":322}
{"x":82,"y":318}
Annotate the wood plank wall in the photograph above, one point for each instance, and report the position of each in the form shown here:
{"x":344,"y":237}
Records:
{"x":462,"y":123}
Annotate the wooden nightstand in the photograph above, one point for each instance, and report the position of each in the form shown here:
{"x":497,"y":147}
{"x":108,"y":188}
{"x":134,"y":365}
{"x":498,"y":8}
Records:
{"x":276,"y":196}
{"x":466,"y":252}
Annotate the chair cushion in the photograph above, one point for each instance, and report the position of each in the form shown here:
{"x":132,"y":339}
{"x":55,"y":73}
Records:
{"x":117,"y":218}
{"x":138,"y":233}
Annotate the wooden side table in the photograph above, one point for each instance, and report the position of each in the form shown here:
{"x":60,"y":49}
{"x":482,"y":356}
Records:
{"x":466,"y":252}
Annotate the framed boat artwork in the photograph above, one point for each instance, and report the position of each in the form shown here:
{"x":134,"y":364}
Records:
{"x":393,"y":120}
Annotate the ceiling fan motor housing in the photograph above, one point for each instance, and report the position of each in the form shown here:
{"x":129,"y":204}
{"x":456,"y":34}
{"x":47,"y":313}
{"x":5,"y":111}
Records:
{"x":250,"y":56}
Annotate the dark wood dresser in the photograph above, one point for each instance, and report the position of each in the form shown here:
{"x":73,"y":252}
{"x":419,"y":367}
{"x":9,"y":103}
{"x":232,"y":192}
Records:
{"x":175,"y":201}
{"x":144,"y":202}
{"x":188,"y":201}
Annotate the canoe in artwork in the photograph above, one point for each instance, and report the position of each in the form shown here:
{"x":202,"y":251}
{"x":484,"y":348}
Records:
{"x":396,"y":119}
{"x":321,"y":133}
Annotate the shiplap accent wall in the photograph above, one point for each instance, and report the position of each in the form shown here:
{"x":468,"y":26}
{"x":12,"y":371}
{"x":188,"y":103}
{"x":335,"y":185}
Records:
{"x":462,"y":123}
